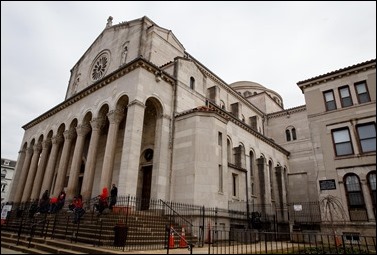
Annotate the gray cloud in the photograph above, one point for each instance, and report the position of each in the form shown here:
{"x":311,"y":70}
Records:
{"x":275,"y":44}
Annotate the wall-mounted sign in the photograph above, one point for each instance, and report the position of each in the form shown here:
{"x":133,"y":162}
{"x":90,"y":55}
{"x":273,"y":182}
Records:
{"x":297,"y":208}
{"x":327,"y":184}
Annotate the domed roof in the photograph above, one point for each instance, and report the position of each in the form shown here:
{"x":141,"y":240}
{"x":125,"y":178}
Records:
{"x":247,"y":84}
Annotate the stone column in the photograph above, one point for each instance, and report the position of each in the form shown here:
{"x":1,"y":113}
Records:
{"x":115,"y":118}
{"x":87,"y":184}
{"x":280,"y":191}
{"x":17,"y":174}
{"x":49,"y":173}
{"x":161,"y":159}
{"x":69,"y":135}
{"x":73,"y":182}
{"x":32,"y":171}
{"x":46,"y":145}
{"x":127,"y":181}
{"x":24,"y":174}
{"x":264,"y":185}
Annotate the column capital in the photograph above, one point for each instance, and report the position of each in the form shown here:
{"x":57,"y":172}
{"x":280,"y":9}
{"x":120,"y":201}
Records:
{"x":57,"y":139}
{"x":164,"y":116}
{"x":115,"y":116}
{"x":97,"y":123}
{"x":83,"y":129}
{"x":29,"y":150}
{"x":37,"y":147}
{"x":69,"y":134}
{"x":136,"y":102}
{"x":46,"y":143}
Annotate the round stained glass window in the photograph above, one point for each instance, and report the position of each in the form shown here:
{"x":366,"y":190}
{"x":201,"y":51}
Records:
{"x":100,"y":66}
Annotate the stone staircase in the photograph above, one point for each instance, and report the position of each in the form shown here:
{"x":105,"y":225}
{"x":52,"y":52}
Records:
{"x":113,"y":233}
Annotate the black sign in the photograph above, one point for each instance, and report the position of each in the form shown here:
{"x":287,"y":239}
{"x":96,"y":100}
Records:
{"x":327,"y":184}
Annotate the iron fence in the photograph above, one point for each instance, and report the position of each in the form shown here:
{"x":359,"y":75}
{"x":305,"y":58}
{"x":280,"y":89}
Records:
{"x":139,"y":224}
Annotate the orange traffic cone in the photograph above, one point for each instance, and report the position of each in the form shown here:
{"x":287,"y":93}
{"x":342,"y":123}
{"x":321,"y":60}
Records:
{"x":182,"y":241}
{"x":208,"y":240}
{"x":171,"y":239}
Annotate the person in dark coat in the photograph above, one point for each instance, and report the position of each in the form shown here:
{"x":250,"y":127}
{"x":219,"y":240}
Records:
{"x":113,"y":196}
{"x":44,"y":202}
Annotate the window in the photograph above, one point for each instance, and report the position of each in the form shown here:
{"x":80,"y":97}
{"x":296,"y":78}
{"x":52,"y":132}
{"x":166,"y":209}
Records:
{"x":372,"y":187}
{"x":351,"y":237}
{"x":235,"y":184}
{"x":192,"y":83}
{"x":345,"y":96}
{"x":287,"y":135}
{"x":367,"y":136}
{"x":251,"y":157}
{"x":3,"y":185}
{"x":342,"y":142}
{"x":290,"y":134}
{"x":354,"y":193}
{"x":329,"y":100}
{"x":293,"y":134}
{"x":362,"y":92}
{"x":253,"y":122}
{"x":221,"y":178}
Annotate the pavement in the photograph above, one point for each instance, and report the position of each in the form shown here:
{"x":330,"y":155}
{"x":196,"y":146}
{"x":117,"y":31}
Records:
{"x":9,"y":251}
{"x":202,"y":250}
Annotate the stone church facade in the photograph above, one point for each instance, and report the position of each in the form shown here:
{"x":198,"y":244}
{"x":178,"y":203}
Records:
{"x":142,"y":113}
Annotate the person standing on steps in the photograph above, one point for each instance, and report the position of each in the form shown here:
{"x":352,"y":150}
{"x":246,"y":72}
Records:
{"x":78,"y":210}
{"x":113,"y":196}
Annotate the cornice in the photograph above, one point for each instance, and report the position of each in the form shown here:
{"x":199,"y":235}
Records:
{"x":337,"y":74}
{"x":135,"y":64}
{"x":289,"y":111}
{"x":212,"y":108}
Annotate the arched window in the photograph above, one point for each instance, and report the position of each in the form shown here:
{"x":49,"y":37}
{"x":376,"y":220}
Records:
{"x":192,"y":83}
{"x":294,"y":134}
{"x":290,"y":133}
{"x":372,"y":187}
{"x":354,"y":192}
{"x":287,"y":135}
{"x":251,"y":158}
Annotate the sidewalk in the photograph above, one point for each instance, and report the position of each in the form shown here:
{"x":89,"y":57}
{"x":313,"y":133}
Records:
{"x":9,"y":251}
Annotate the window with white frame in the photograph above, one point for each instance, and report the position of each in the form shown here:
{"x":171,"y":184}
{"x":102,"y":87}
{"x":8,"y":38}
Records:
{"x":345,"y":96}
{"x":362,"y":92}
{"x":342,"y":142}
{"x":367,"y":136}
{"x":371,"y":177}
{"x":329,"y":100}
{"x":354,"y":192}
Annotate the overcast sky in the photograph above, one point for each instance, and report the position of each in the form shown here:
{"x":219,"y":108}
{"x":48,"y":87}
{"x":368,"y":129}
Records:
{"x":275,"y":44}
